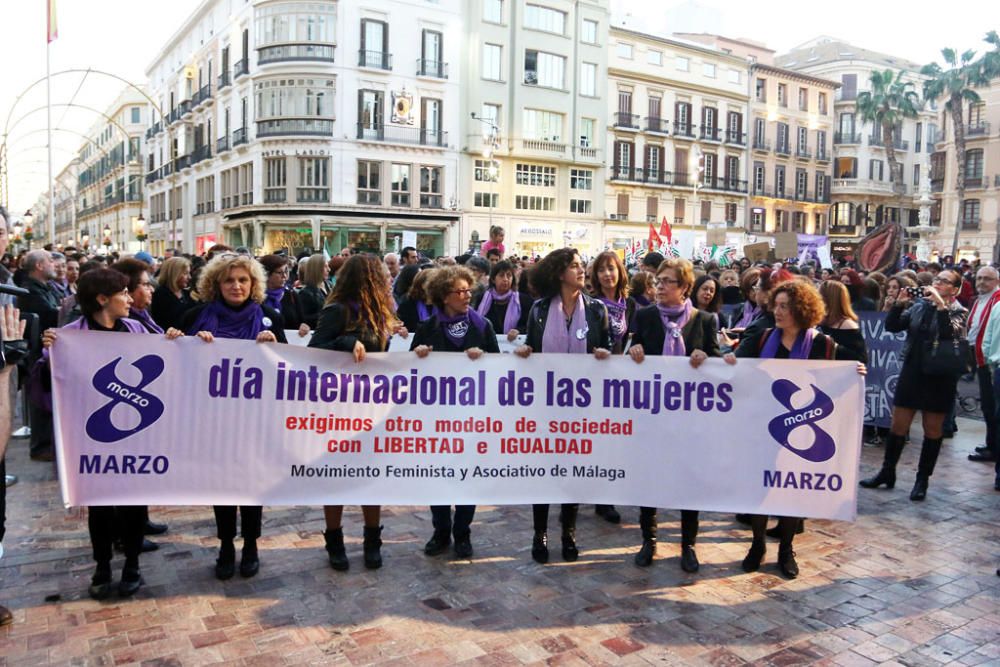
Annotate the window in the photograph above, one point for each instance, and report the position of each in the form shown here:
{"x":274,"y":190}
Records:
{"x":783,"y":94}
{"x":369,"y":182}
{"x":822,"y":104}
{"x":706,"y":211}
{"x":819,"y":222}
{"x":974,"y":164}
{"x":490,"y":113}
{"x":782,"y":146}
{"x":803,"y":99}
{"x":970,"y":212}
{"x":803,"y":139}
{"x":275,"y":179}
{"x":758,"y":178}
{"x":759,"y":132}
{"x":588,"y":79}
{"x":820,"y":186}
{"x":682,"y":64}
{"x":801,"y":183}
{"x":654,"y":57}
{"x":580,"y":206}
{"x":544,"y":69}
{"x":280,"y":26}
{"x":588,"y":31}
{"x":708,"y":69}
{"x":679,"y":207}
{"x":432,"y":54}
{"x":493,"y":11}
{"x":624,"y":50}
{"x":545,"y":19}
{"x":847,"y":124}
{"x":533,"y":203}
{"x":731,"y":213}
{"x":847,"y":167}
{"x":486,"y":171}
{"x":760,"y":90}
{"x":916,"y":174}
{"x":370,"y":114}
{"x":375,"y":44}
{"x":652,"y":208}
{"x":798,"y":221}
{"x":314,"y":183}
{"x":918,"y":138}
{"x":581,"y":179}
{"x":821,"y":144}
{"x":542,"y":125}
{"x":492,"y":61}
{"x":757,"y":219}
{"x":430,"y":121}
{"x":535,"y":175}
{"x":779,"y":181}
{"x":587,"y":132}
{"x":621,"y":206}
{"x":875,"y":170}
{"x":431,"y":187}
{"x":136,"y":114}
{"x":245,"y":182}
{"x":709,"y":170}
{"x":294,"y":106}
{"x":734,"y":76}
{"x":399,"y":184}
{"x":485,"y":200}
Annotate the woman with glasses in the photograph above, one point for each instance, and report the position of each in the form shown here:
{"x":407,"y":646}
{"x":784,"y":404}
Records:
{"x":673,"y":327}
{"x":936,"y":315}
{"x":564,"y":320}
{"x":277,"y":294}
{"x":501,"y":304}
{"x":454,"y":327}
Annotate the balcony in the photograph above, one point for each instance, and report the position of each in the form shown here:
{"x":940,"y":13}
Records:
{"x":184,"y":108}
{"x":736,"y":137}
{"x":404,"y":135}
{"x":937,"y":185}
{"x":683,"y":130}
{"x":200,"y":154}
{"x":783,"y":149}
{"x":657,"y":125}
{"x":761,"y":145}
{"x":544,"y":146}
{"x":375,"y":60}
{"x":155,"y":130}
{"x":974,"y":182}
{"x":241,"y":68}
{"x":283,"y":53}
{"x":803,"y":195}
{"x":862,"y":186}
{"x":224,"y":81}
{"x":203,"y":95}
{"x":709,"y":133}
{"x":625,"y":173}
{"x":655,"y":177}
{"x":240,"y":137}
{"x":285,"y":127}
{"x":977,"y":130}
{"x":221,"y":145}
{"x":275,"y":195}
{"x":898,"y":144}
{"x":432,"y":68}
{"x":822,"y":155}
{"x":803,"y":153}
{"x":626,"y":121}
{"x":182,"y":162}
{"x":726,"y":183}
{"x":970,"y":224}
{"x":846,"y":137}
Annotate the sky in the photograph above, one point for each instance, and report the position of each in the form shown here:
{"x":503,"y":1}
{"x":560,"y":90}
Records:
{"x":123,"y":37}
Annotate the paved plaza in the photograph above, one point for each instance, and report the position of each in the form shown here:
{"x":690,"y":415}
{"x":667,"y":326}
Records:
{"x":907,"y":584}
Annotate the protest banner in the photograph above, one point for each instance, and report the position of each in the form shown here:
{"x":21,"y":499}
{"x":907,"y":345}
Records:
{"x":143,"y":420}
{"x":884,"y":363}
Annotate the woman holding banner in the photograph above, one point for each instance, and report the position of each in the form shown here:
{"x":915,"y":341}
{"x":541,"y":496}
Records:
{"x":455,"y":327}
{"x":504,"y":307}
{"x":797,"y":308}
{"x":278,"y":296}
{"x":673,"y":327}
{"x":358,"y":318}
{"x":172,"y":298}
{"x":231,"y":289}
{"x":564,"y":320}
{"x":937,"y":316}
{"x":105,"y":301}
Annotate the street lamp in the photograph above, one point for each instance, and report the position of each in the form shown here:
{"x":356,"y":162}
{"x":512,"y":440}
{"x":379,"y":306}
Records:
{"x":28,"y":219}
{"x":107,"y":238}
{"x":18,"y":228}
{"x":140,"y":231}
{"x":491,"y":144}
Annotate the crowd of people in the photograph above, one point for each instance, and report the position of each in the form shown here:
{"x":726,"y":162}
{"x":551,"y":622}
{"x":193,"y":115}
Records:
{"x":560,"y":303}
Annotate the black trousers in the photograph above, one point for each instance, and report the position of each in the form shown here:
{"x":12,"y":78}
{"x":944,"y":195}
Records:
{"x":3,"y":498}
{"x":250,"y":522}
{"x":988,"y":403}
{"x":689,"y":523}
{"x":441,"y":517}
{"x":786,"y":529}
{"x":123,"y":522}
{"x":567,"y":515}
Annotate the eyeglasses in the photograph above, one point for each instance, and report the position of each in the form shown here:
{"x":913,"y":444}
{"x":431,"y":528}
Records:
{"x":666,"y":281}
{"x":938,"y":279}
{"x":460,"y":291}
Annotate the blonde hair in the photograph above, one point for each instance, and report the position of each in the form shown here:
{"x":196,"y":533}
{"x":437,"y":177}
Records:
{"x":218,"y":270}
{"x":311,"y":271}
{"x":171,"y":270}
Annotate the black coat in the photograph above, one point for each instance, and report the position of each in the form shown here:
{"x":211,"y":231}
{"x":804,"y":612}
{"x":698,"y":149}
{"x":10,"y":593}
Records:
{"x":167,"y":310}
{"x":277,"y":325}
{"x":823,"y":347}
{"x":920,"y":320}
{"x":334,"y":333}
{"x":290,"y":311}
{"x":699,"y":333}
{"x":41,"y":300}
{"x":498,"y":312}
{"x":598,"y":327}
{"x":430,"y":333}
{"x":311,"y":300}
{"x":408,"y":314}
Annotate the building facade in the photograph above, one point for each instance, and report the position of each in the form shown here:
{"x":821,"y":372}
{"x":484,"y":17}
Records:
{"x":308,"y":125}
{"x":677,"y":130}
{"x":533,"y":144}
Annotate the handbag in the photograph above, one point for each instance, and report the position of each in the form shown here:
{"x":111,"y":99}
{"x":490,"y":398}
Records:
{"x":944,"y":357}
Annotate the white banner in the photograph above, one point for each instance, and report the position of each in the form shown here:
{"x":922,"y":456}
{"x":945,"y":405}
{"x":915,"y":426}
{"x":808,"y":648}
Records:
{"x":143,"y":420}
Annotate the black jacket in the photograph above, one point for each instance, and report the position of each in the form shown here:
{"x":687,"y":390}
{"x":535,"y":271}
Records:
{"x":598,"y":328}
{"x":498,"y":312}
{"x":919,"y":321}
{"x":430,"y":333}
{"x":311,"y":300}
{"x":41,"y":300}
{"x":277,"y":326}
{"x":167,"y":310}
{"x":699,"y":333}
{"x":290,"y":312}
{"x":823,"y":347}
{"x":849,"y":342}
{"x":332,"y":332}
{"x":408,"y":314}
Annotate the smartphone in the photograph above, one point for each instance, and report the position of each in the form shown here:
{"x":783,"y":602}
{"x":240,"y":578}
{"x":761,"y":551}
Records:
{"x":915,"y":292}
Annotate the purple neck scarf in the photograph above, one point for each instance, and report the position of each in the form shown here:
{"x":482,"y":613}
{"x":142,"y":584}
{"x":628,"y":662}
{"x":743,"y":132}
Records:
{"x":273,"y":297}
{"x":513,"y":313}
{"x":147,"y":321}
{"x":423,"y":312}
{"x":616,"y":317}
{"x":242,"y":323}
{"x":800,"y":350}
{"x":641,"y":300}
{"x":457,"y":328}
{"x":750,"y":311}
{"x":674,"y":318}
{"x":560,"y":338}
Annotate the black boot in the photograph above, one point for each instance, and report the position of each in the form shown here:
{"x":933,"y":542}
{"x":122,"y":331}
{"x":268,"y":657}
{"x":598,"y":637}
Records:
{"x":647,"y":523}
{"x":786,"y":562}
{"x":751,"y":563}
{"x":608,"y":513}
{"x":335,"y":549}
{"x":925,"y":468}
{"x":689,"y":558}
{"x":540,"y":547}
{"x":131,"y":579}
{"x":438,"y":543}
{"x":887,"y":475}
{"x":567,"y":517}
{"x":225,"y":564}
{"x":372,"y":547}
{"x":249,"y":559}
{"x":100,"y":583}
{"x":463,"y":544}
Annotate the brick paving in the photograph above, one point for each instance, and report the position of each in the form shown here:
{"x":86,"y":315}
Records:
{"x":907,"y":584}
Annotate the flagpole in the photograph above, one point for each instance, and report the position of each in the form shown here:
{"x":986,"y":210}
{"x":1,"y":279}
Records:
{"x":48,"y":104}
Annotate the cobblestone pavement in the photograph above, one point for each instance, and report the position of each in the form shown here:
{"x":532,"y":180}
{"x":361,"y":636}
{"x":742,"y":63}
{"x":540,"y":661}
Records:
{"x":908,"y":583}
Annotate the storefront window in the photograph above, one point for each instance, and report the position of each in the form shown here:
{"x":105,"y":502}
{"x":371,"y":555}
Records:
{"x":292,"y":239}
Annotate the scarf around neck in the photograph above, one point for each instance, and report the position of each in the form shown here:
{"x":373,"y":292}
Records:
{"x":674,"y":318}
{"x":750,"y":311}
{"x":456,"y":328}
{"x":423,"y":312}
{"x":220,"y":320}
{"x":144,"y":317}
{"x":562,"y":339}
{"x":800,"y":350}
{"x":616,"y":317}
{"x":513,"y":313}
{"x":273,"y":297}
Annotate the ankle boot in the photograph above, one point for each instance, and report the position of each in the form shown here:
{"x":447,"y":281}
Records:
{"x":249,"y":559}
{"x":335,"y":549}
{"x":887,"y":475}
{"x":372,"y":547}
{"x":786,"y":562}
{"x":689,"y":558}
{"x":753,"y":558}
{"x":540,"y":547}
{"x":438,"y":543}
{"x":567,"y":517}
{"x":925,"y":468}
{"x":648,"y":524}
{"x":225,"y":564}
{"x":100,"y":583}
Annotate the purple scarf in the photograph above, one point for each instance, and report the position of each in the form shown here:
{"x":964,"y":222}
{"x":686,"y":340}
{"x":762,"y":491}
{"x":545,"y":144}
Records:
{"x":616,"y":317}
{"x":674,"y":318}
{"x":560,"y":338}
{"x":423,"y":313}
{"x":641,"y":300}
{"x":800,"y":350}
{"x":243,"y":323}
{"x":147,"y":321}
{"x":457,"y":328}
{"x":748,"y":315}
{"x":513,"y":314}
{"x":273,"y":297}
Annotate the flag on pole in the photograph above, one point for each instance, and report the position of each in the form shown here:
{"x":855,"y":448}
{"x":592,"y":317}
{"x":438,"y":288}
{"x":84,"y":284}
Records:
{"x":666,"y":232}
{"x":654,"y":241}
{"x":53,"y":26}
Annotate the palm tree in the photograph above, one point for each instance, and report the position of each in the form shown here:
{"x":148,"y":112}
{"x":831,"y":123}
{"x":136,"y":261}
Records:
{"x":955,"y":86}
{"x":890,"y":100}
